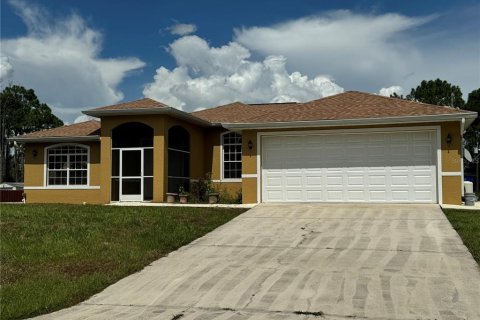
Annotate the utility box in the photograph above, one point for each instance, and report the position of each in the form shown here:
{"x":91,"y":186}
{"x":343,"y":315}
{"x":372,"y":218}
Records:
{"x":468,"y":186}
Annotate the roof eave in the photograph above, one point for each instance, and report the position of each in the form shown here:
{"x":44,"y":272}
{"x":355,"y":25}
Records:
{"x":469,"y":118}
{"x":149,"y":111}
{"x":19,"y":139}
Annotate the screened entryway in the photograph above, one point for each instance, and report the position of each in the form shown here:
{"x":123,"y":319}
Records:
{"x":178,"y":159}
{"x":132,"y":162}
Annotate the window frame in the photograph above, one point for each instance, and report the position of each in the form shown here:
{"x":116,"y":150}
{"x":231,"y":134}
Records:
{"x":222,"y":160}
{"x":68,"y":185}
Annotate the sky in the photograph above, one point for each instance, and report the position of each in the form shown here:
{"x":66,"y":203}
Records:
{"x":81,"y":54}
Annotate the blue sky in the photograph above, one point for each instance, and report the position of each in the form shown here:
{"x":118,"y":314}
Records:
{"x":192,"y":54}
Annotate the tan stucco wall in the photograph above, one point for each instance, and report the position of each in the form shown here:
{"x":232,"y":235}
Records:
{"x":212,"y":149}
{"x":230,"y":188}
{"x":451,"y":158}
{"x":212,"y":159}
{"x":205,"y":157}
{"x":452,"y":189}
{"x":451,"y":155}
{"x":249,"y":190}
{"x":160,"y":124}
{"x":35,"y":175}
{"x":159,"y":176}
{"x":91,"y":196}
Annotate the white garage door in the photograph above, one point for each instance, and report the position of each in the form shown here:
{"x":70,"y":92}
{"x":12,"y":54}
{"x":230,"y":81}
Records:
{"x":395,"y":166}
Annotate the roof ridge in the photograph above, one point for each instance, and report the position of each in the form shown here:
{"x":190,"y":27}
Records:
{"x":289,"y":102}
{"x":399,"y":99}
{"x":220,"y":106}
{"x":155,"y":104}
{"x":297,"y":104}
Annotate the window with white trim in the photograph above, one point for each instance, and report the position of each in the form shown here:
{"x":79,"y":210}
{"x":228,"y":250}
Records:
{"x":232,"y":155}
{"x":67,"y":165}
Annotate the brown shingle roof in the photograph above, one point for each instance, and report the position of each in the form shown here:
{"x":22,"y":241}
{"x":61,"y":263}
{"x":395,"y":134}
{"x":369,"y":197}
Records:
{"x":82,"y":129}
{"x":145,"y":103}
{"x":348,"y":105}
{"x":240,"y":112}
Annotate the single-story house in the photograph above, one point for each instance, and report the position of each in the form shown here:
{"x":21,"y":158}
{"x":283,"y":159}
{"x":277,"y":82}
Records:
{"x":350,"y":147}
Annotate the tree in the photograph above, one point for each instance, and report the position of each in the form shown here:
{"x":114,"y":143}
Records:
{"x":472,"y":134}
{"x":20,"y":112}
{"x":439,"y":92}
{"x":473,"y":102}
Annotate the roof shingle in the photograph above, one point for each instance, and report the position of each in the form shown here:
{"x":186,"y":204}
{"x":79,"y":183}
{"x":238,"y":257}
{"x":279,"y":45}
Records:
{"x":343,"y":106}
{"x":82,"y":129}
{"x":145,"y":103}
{"x":238,"y":112}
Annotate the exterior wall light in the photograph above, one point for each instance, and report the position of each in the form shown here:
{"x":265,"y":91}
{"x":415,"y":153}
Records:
{"x":250,"y":145}
{"x":449,"y":139}
{"x":34,"y":153}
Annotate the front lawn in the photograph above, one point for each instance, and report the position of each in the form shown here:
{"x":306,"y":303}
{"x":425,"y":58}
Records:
{"x":467,"y":224}
{"x":54,"y":256}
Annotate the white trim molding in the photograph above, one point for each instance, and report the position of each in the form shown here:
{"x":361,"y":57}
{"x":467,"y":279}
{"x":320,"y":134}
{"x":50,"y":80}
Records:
{"x":249,"y":175}
{"x":45,"y":166}
{"x":452,"y":174}
{"x":468,"y":116}
{"x":222,"y":179}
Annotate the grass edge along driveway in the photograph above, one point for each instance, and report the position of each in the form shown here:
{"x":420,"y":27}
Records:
{"x":55,"y":256}
{"x":467,"y":225}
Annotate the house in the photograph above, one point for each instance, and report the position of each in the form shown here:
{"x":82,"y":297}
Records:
{"x":350,"y":147}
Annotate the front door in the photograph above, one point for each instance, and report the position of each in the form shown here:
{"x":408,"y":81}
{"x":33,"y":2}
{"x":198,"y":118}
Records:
{"x":131,"y":179}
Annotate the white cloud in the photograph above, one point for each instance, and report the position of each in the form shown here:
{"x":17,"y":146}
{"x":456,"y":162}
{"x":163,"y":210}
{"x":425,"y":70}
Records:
{"x":6,"y":69}
{"x":387,"y":92}
{"x":61,"y":61}
{"x":207,"y":76}
{"x":182,"y":29}
{"x":84,"y":118}
{"x":361,"y":51}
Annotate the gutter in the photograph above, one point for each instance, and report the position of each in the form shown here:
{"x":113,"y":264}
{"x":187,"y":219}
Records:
{"x":469,"y":118}
{"x":54,"y":139}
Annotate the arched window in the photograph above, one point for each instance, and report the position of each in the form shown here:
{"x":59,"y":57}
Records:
{"x":231,"y":155}
{"x":178,"y":159}
{"x":67,"y":165}
{"x":132,"y":135}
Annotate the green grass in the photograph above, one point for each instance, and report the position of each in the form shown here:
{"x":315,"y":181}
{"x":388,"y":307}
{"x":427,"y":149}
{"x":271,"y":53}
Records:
{"x":54,"y":256}
{"x":467,"y":224}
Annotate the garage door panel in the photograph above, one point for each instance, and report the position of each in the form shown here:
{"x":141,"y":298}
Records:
{"x":313,"y":181}
{"x":379,"y":167}
{"x":314,"y":195}
{"x":356,"y":195}
{"x":334,"y":195}
{"x":294,"y":181}
{"x":354,"y":180}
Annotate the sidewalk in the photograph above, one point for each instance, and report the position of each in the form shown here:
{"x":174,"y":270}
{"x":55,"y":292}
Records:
{"x":191,"y":205}
{"x":462,"y":206}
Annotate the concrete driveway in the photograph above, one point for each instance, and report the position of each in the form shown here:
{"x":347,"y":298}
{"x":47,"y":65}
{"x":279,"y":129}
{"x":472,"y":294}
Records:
{"x":300,"y":261}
